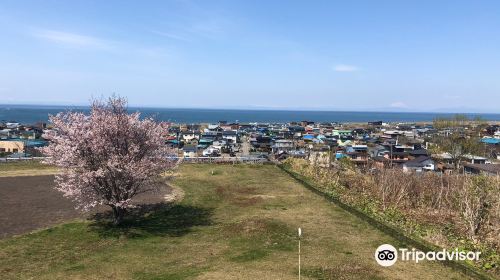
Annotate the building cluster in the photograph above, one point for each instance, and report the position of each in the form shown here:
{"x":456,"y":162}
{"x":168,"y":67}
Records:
{"x":212,"y":140}
{"x":17,"y":140}
{"x":369,"y":145}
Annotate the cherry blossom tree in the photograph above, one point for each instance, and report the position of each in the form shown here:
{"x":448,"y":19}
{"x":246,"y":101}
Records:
{"x":108,"y":156}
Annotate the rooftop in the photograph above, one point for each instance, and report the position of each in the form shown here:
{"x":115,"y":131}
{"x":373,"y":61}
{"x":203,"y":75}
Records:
{"x":490,"y":168}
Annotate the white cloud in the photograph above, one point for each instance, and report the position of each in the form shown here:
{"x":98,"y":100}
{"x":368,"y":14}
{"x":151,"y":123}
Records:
{"x":345,"y":68}
{"x":72,"y":39}
{"x":193,"y":30}
{"x":79,"y":41}
{"x":398,"y":104}
{"x":171,"y":36}
{"x":208,"y":28}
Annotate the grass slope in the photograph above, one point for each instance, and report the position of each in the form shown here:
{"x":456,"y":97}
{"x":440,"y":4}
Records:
{"x":25,"y":168}
{"x":235,"y":222}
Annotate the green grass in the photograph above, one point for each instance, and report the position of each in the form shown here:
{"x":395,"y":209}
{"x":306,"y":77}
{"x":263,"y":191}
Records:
{"x":22,"y":165}
{"x":238,"y":222}
{"x":25,"y":168}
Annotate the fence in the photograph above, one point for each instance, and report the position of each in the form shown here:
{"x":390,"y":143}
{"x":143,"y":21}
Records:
{"x":182,"y":159}
{"x":223,"y":160}
{"x":7,"y":159}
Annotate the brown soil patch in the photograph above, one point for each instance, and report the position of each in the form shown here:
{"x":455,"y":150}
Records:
{"x":250,"y":226}
{"x":240,"y":196}
{"x":343,"y":272}
{"x":31,"y":202}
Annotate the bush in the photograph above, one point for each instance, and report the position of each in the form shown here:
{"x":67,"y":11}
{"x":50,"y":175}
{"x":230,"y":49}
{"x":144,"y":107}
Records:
{"x":448,"y":210}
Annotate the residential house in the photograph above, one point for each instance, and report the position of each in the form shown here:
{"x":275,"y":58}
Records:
{"x":261,"y":143}
{"x":190,"y":151}
{"x":419,"y":164}
{"x":487,"y":169}
{"x":392,"y":133}
{"x":20,"y":145}
{"x":230,"y":126}
{"x":213,"y":128}
{"x":204,"y":143}
{"x":308,"y":137}
{"x":297,"y":131}
{"x":378,"y":151}
{"x":418,"y":152}
{"x":189,"y":136}
{"x":475,"y":159}
{"x":231,"y":136}
{"x":219,"y":144}
{"x":341,"y":133}
{"x":282,"y":145}
{"x":357,"y":153}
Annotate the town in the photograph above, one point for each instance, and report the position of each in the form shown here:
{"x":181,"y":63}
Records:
{"x":249,"y":140}
{"x":412,"y":147}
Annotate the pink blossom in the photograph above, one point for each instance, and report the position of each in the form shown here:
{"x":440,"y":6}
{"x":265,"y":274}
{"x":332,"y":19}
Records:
{"x":106,"y":157}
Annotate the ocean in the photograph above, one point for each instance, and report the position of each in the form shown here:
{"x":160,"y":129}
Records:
{"x":29,"y":114}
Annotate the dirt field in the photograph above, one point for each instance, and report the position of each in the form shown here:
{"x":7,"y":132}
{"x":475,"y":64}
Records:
{"x":30,"y":202}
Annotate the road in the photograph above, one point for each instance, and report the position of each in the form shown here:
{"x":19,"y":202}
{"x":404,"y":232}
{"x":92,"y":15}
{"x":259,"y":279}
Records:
{"x":245,"y":147}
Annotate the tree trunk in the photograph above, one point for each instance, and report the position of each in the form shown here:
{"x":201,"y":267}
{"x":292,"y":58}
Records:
{"x":118,"y":213}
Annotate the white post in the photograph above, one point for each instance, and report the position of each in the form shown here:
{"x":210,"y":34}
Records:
{"x":300,"y":234}
{"x":299,"y":258}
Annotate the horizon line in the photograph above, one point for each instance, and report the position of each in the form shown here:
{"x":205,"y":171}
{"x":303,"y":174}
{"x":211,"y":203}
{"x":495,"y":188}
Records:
{"x":292,"y":109}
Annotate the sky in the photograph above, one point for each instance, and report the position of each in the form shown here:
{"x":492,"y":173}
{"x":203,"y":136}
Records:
{"x":305,"y":55}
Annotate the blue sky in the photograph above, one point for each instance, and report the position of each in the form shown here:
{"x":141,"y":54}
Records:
{"x":340,"y":55}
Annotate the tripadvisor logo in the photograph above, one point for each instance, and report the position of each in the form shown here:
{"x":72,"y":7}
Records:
{"x":387,"y":255}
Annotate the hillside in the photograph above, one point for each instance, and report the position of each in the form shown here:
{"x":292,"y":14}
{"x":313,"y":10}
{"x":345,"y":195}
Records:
{"x":234,"y":222}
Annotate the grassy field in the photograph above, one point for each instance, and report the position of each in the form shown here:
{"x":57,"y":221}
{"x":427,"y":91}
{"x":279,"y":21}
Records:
{"x":235,"y":222}
{"x":25,"y":168}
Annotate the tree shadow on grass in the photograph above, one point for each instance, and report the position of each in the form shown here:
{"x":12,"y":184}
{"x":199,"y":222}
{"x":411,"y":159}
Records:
{"x":147,"y":220}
